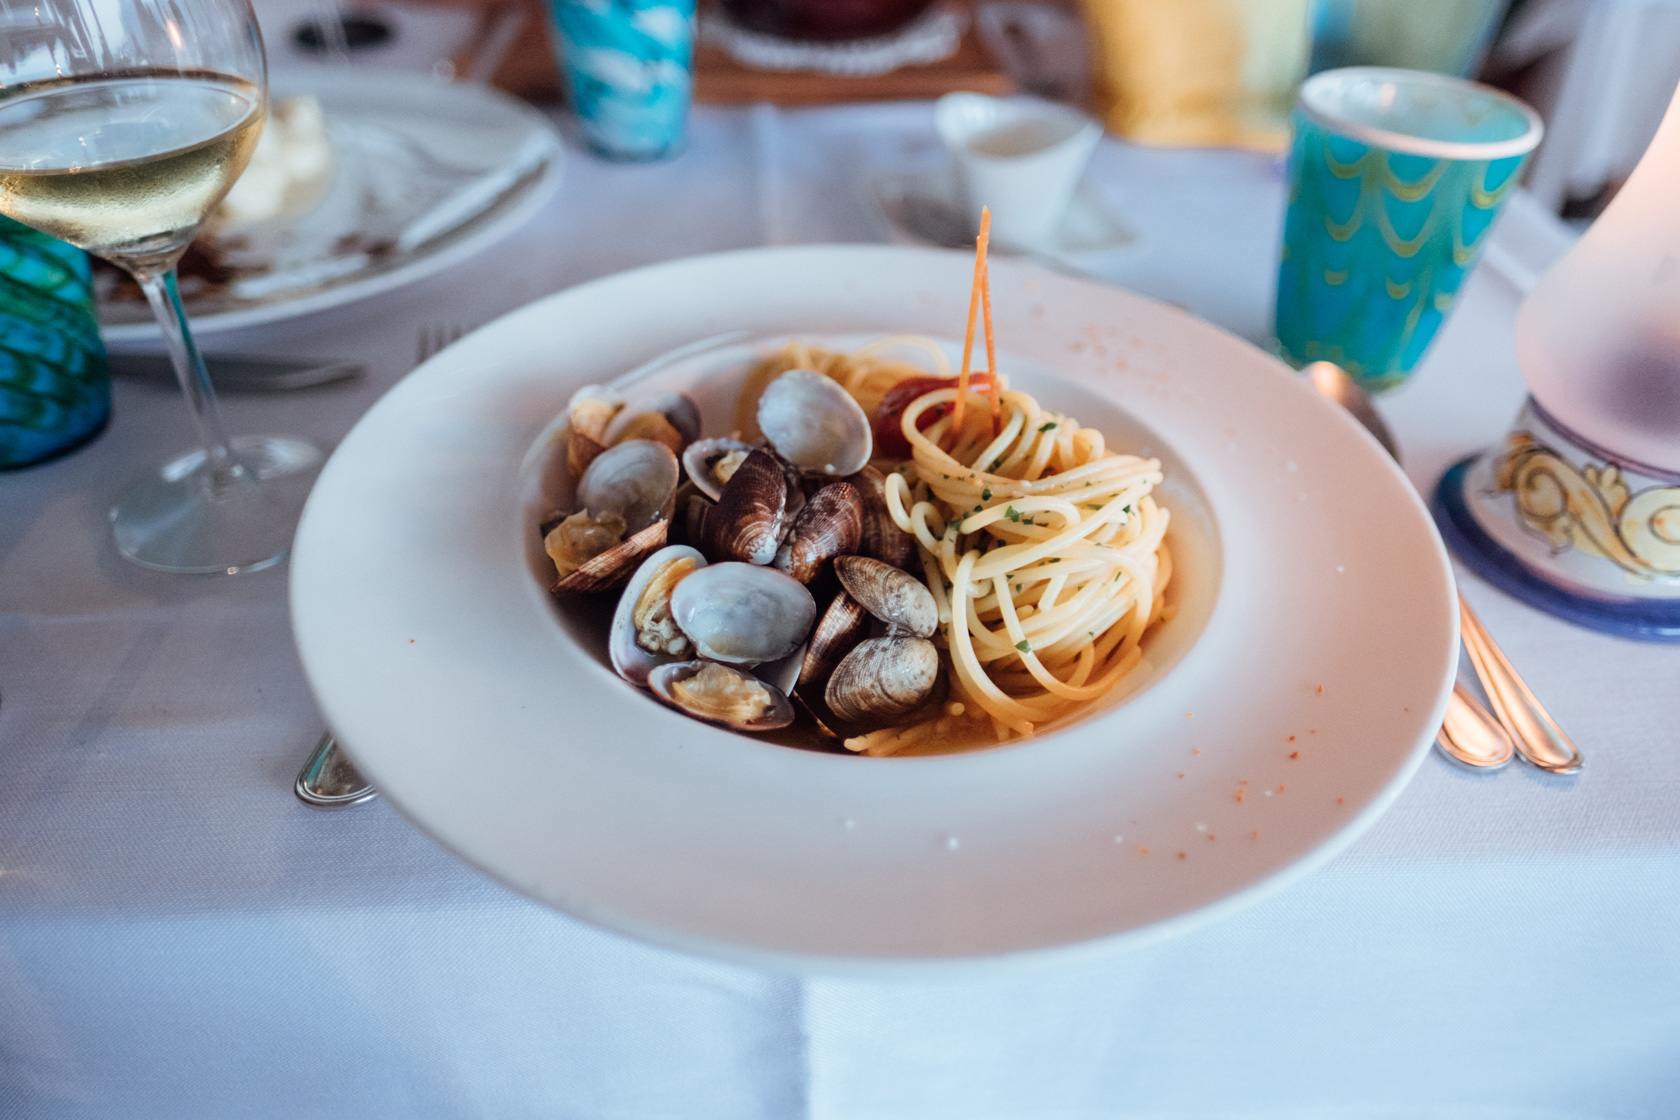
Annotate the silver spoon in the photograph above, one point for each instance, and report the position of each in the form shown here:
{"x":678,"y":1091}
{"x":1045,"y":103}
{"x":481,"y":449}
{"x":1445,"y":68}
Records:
{"x":1465,"y":734}
{"x":329,"y":780}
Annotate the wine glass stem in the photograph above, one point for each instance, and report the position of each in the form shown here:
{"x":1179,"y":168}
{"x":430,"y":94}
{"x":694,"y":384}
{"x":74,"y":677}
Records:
{"x":222,"y":469}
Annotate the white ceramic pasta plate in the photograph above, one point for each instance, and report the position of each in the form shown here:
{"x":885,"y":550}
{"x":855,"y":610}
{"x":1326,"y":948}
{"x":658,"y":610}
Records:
{"x":1280,"y":712}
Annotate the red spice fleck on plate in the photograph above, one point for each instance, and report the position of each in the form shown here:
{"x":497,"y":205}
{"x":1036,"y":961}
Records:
{"x":1211,"y":836}
{"x":1255,"y":835}
{"x":1240,"y":796}
{"x":1183,"y":855}
{"x":1294,"y":754}
{"x":1280,"y":789}
{"x":1321,"y":690}
{"x":1196,"y":750}
{"x":1338,"y":801}
{"x":1143,"y":851}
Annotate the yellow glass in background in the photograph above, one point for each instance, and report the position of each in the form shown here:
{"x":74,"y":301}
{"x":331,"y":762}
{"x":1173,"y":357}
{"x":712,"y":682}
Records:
{"x":1198,"y":73}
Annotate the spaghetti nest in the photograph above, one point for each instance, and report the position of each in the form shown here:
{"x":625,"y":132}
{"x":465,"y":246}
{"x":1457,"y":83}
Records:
{"x":1044,"y":551}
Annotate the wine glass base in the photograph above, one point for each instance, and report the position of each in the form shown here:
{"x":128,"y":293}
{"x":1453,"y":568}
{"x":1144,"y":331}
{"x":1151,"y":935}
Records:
{"x":175,"y":520}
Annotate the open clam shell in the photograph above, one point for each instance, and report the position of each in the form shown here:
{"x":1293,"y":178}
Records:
{"x":721,"y":694}
{"x":700,"y":460}
{"x":882,"y":680}
{"x":670,"y":418}
{"x":743,"y":614}
{"x":636,"y":479}
{"x":748,"y":521}
{"x":890,"y":594}
{"x":644,"y":634}
{"x":816,"y":425}
{"x":829,"y":525}
{"x":612,"y":567}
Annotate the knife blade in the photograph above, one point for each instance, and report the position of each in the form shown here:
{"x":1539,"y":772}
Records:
{"x":240,"y":373}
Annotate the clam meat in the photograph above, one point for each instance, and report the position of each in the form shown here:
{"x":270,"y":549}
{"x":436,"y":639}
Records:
{"x":721,"y":694}
{"x":643,"y":632}
{"x":711,"y":463}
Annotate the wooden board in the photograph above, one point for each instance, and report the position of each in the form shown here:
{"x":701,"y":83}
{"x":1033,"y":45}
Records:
{"x":720,"y":80}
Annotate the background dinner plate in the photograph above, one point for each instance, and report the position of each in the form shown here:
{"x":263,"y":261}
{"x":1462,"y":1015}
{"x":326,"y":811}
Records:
{"x":428,"y":173}
{"x":1309,"y":668}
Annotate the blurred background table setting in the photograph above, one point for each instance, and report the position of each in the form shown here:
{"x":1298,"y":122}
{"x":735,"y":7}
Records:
{"x":1462,"y":204}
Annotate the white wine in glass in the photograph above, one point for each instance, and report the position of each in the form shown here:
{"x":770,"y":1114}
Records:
{"x":122,"y":125}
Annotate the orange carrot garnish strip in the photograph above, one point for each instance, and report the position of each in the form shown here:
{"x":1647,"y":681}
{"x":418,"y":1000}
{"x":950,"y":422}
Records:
{"x":992,"y":386}
{"x":974,"y":300}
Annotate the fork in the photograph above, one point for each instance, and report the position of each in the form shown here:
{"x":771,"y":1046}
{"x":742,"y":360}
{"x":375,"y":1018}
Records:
{"x":434,"y":337}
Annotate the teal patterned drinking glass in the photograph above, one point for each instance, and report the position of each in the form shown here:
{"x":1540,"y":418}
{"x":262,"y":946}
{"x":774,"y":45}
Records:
{"x":628,"y":69}
{"x":54,"y":392}
{"x":1395,"y":178}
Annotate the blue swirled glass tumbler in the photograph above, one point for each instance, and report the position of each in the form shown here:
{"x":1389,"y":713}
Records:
{"x":628,"y":67}
{"x":1395,"y":178}
{"x":54,"y":393}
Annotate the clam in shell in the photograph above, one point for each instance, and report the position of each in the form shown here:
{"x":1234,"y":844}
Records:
{"x":721,"y":694}
{"x":816,"y":425}
{"x":669,"y":418}
{"x":743,"y":614}
{"x":610,"y":568}
{"x":590,"y":411}
{"x":829,"y":525}
{"x":636,"y":479}
{"x":882,"y":680}
{"x":890,"y":594}
{"x":748,"y":520}
{"x":882,"y":538}
{"x":710,"y":463}
{"x":841,"y":627}
{"x":643,"y":632}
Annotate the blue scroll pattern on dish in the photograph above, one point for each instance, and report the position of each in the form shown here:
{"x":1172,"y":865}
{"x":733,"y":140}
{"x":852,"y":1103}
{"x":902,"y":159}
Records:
{"x":628,"y":66}
{"x":1376,"y":244}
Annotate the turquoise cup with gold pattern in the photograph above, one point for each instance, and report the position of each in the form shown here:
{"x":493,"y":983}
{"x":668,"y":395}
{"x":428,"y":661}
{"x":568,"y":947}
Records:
{"x":1395,"y":178}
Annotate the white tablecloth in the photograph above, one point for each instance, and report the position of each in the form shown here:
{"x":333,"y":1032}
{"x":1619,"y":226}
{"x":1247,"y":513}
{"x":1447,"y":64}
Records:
{"x":180,"y":938}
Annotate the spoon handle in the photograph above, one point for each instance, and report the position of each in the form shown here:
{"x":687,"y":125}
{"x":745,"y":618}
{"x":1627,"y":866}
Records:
{"x":329,"y":780}
{"x":1538,"y":737}
{"x":1470,"y":736}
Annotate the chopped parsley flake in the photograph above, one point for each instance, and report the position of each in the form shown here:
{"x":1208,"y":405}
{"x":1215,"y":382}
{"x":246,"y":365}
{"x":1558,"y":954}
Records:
{"x":1024,"y":646}
{"x":986,"y":494}
{"x":1046,"y":427}
{"x":1012,"y":513}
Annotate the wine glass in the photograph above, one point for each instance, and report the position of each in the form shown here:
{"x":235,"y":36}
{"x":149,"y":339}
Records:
{"x":122,"y":125}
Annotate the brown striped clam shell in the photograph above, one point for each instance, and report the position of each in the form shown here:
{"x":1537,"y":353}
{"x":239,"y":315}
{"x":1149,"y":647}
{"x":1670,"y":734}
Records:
{"x":748,"y":520}
{"x":890,"y":594}
{"x":882,"y":538}
{"x":828,"y":526}
{"x":882,"y":680}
